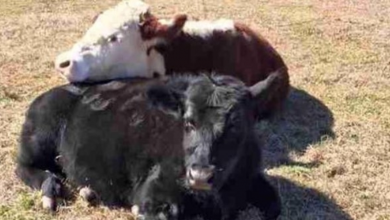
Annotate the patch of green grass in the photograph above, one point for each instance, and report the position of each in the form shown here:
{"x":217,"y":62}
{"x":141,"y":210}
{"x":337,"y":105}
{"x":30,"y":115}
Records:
{"x":3,"y":210}
{"x":305,"y":26}
{"x":361,"y":104}
{"x":327,"y":50}
{"x":383,"y":217}
{"x":24,"y":208}
{"x":298,"y":170}
{"x":26,"y":200}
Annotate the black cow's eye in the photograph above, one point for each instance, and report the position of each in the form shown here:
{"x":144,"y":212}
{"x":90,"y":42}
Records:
{"x":190,"y":150}
{"x":112,"y":39}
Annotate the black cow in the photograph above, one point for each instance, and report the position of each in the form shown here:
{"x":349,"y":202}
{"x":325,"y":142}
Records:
{"x":106,"y":137}
{"x":125,"y":141}
{"x":223,"y":155}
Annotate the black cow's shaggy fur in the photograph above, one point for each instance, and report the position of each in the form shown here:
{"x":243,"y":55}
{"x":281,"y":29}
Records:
{"x":107,"y":137}
{"x":223,"y":158}
{"x":126,"y":141}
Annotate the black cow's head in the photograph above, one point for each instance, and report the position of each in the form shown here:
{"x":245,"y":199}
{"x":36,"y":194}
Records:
{"x":218,"y":116}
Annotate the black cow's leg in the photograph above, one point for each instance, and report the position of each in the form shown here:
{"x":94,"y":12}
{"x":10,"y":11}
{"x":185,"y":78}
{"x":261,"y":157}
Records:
{"x":89,"y":195}
{"x":265,"y":197}
{"x":49,"y":183}
{"x":52,"y":189}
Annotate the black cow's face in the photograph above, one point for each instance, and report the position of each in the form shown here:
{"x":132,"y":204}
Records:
{"x":217,"y":113}
{"x":217,"y":118}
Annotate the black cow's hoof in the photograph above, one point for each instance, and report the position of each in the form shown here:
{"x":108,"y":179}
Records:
{"x":89,"y":195}
{"x":52,"y":190}
{"x":49,"y":203}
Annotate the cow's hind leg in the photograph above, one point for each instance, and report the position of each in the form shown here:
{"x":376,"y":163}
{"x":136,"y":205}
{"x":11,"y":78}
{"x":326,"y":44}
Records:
{"x":50,"y":185}
{"x":38,"y":162}
{"x":265,"y":197}
{"x":37,"y":167}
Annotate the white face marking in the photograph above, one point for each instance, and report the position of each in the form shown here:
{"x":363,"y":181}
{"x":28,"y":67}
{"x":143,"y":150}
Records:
{"x":204,"y":28}
{"x":112,"y":48}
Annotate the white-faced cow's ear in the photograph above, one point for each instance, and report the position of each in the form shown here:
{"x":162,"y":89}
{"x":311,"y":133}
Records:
{"x":177,"y":24}
{"x":262,"y":88}
{"x":143,"y":17}
{"x":151,"y":27}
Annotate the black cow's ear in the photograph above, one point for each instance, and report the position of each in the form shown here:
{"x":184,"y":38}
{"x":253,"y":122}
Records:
{"x":167,"y":99}
{"x":265,"y":87}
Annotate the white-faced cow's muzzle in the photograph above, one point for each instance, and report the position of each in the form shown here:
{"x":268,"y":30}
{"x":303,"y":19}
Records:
{"x":107,"y":62}
{"x":75,"y":65}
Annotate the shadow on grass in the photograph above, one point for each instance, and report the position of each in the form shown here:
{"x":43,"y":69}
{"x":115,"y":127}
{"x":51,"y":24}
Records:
{"x":300,"y":203}
{"x":303,"y":121}
{"x":305,"y":203}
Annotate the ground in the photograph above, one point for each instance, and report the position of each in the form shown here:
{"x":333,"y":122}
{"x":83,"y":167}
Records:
{"x":328,"y":151}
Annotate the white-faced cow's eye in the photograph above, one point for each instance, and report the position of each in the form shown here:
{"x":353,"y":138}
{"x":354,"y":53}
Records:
{"x":86,"y":48}
{"x":112,"y":39}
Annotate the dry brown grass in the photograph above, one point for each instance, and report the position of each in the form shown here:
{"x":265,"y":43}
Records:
{"x":328,"y":152}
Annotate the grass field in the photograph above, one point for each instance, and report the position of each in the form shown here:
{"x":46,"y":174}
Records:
{"x":328,"y":152}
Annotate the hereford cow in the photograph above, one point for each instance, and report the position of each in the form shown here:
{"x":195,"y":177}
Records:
{"x":128,"y":41}
{"x":124,"y":141}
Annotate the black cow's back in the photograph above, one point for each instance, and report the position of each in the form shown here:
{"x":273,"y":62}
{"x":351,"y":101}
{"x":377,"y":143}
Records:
{"x":115,"y":136}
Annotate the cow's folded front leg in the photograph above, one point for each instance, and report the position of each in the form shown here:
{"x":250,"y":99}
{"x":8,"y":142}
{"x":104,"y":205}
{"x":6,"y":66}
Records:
{"x":89,"y":195}
{"x":52,"y":190}
{"x":50,"y":184}
{"x":166,"y":211}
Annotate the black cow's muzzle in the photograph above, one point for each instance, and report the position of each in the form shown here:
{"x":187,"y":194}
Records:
{"x":199,"y":177}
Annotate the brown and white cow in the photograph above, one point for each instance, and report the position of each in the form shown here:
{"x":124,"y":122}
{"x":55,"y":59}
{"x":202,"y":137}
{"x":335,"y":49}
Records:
{"x":127,"y":41}
{"x":112,"y":45}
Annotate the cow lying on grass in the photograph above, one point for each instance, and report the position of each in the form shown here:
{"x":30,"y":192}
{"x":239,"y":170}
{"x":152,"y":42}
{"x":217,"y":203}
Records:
{"x":222,"y":153}
{"x":127,"y":41}
{"x":124,"y":140}
{"x":105,"y":137}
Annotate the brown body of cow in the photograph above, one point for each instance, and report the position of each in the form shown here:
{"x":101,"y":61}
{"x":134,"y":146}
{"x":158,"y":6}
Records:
{"x":236,"y":51}
{"x":128,"y":41}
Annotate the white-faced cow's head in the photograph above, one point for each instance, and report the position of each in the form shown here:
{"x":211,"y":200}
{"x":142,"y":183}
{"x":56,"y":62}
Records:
{"x":119,"y":45}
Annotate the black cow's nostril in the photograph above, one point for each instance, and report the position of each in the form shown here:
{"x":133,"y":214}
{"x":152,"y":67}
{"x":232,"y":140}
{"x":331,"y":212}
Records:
{"x":204,"y":167}
{"x":195,"y":166}
{"x":210,"y":180}
{"x":198,"y":166}
{"x":64,"y":64}
{"x":189,"y":175}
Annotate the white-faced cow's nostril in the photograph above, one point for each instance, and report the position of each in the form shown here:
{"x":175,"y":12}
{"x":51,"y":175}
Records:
{"x":64,"y":64}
